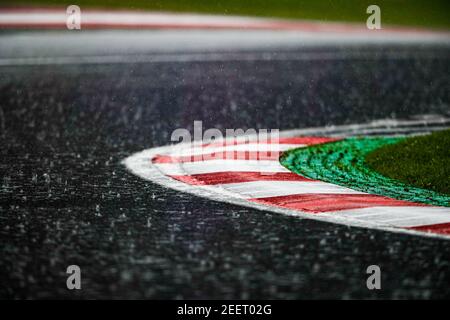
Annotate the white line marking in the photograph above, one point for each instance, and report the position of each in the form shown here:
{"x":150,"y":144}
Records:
{"x":205,"y":57}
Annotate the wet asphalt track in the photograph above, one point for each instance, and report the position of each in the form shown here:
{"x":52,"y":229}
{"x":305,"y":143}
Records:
{"x":66,"y":199}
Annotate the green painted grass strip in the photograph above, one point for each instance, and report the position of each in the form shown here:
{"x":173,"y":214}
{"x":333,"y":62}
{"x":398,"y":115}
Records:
{"x":343,"y":163}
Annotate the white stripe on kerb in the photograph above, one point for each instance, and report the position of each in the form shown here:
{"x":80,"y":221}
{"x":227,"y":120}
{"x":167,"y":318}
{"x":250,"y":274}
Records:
{"x":400,"y":216}
{"x":264,"y":189}
{"x":212,"y":166}
{"x":251,"y":147}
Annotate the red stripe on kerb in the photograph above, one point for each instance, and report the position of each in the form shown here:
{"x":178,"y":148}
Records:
{"x":306,"y":140}
{"x":238,"y":177}
{"x":241,"y":155}
{"x":441,"y":228}
{"x":316,"y":203}
{"x":293,"y":140}
{"x":224,"y":155}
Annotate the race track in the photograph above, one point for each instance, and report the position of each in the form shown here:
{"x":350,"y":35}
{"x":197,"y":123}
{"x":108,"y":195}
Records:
{"x":73,"y":107}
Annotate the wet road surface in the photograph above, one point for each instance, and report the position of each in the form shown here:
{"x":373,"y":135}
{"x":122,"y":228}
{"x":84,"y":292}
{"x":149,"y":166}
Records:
{"x":65,"y":198}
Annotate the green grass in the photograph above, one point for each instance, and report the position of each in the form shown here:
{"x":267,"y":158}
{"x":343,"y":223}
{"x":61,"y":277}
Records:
{"x":343,"y":163}
{"x":422,"y":161}
{"x":431,"y":13}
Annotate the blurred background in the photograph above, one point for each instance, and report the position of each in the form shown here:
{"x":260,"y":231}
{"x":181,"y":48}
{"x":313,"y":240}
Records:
{"x":430,"y":14}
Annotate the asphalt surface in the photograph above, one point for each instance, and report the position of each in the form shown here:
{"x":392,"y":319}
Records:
{"x":65,"y":198}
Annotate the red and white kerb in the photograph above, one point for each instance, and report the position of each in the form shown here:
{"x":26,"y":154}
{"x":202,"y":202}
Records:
{"x":254,"y":177}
